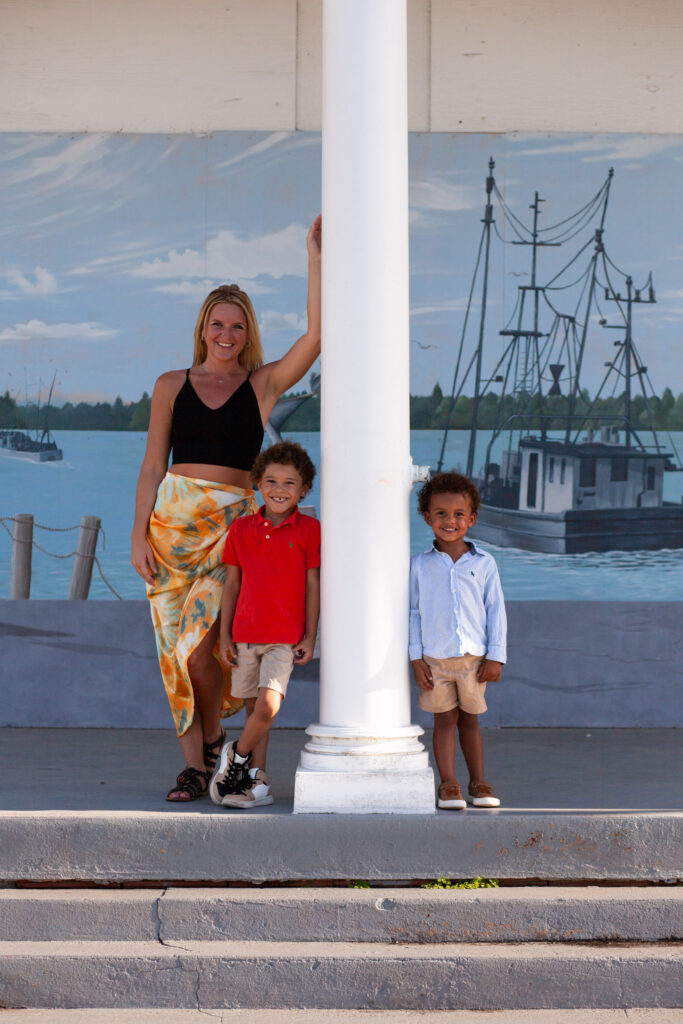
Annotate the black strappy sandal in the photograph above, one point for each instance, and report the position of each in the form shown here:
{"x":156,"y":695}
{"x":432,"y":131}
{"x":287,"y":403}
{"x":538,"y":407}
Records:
{"x":191,"y":781}
{"x":212,"y":752}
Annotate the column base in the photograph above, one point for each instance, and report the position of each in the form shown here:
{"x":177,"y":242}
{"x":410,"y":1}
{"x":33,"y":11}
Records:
{"x":345,"y":771}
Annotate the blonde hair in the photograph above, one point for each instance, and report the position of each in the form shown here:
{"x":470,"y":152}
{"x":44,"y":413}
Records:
{"x":251,"y":356}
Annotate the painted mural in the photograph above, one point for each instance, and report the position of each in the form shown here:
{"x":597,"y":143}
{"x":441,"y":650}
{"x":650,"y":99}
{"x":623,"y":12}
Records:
{"x":546,"y":308}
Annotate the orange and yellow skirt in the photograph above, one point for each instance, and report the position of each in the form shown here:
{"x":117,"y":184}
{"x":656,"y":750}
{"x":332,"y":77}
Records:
{"x":187,"y":532}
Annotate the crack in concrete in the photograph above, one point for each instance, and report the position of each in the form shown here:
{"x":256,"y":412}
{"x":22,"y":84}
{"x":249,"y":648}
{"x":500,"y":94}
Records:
{"x":173,"y":968}
{"x":159,"y":924}
{"x":196,"y":971}
{"x":622,"y":1002}
{"x":156,"y":910}
{"x":174,"y":945}
{"x":200,"y":1009}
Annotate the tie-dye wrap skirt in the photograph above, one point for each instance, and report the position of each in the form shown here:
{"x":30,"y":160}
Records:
{"x":187,"y":532}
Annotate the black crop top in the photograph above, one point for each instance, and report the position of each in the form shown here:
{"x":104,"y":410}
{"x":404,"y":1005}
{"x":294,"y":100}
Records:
{"x":230,"y":435}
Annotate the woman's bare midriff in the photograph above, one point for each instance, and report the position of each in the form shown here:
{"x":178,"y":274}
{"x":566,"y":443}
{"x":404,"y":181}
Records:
{"x":216,"y":474}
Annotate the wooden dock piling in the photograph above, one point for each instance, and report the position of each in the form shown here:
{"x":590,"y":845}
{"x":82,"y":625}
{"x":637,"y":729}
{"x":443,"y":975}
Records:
{"x":22,"y":549}
{"x":84,"y":558}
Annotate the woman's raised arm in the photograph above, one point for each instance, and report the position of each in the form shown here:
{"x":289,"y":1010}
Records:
{"x":279,"y":376}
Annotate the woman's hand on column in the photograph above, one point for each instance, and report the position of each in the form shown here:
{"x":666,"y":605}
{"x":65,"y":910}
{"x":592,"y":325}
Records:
{"x":315,"y":237}
{"x":274,"y":379}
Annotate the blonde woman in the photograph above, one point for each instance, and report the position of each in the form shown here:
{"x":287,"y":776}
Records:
{"x":210,"y":420}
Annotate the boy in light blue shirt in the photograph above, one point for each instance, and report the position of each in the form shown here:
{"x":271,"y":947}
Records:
{"x":457,"y":633}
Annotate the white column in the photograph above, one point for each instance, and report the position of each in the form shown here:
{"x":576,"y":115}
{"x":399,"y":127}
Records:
{"x":364,"y":755}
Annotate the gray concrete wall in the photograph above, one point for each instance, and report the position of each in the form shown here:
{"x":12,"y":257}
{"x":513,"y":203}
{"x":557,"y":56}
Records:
{"x":571,"y":664}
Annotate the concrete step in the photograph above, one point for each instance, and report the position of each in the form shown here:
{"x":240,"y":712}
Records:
{"x":506,"y":915}
{"x":317,"y":1016}
{"x":338,"y":975}
{"x":206,"y":843}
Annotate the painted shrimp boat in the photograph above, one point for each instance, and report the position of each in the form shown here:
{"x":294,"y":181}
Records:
{"x":36,"y":445}
{"x":570,"y":479}
{"x":20,"y":444}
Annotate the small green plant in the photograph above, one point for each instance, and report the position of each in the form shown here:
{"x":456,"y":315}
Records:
{"x":462,"y":883}
{"x":359,"y":885}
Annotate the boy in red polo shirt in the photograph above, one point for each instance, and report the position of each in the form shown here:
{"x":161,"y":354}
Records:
{"x":269,"y":614}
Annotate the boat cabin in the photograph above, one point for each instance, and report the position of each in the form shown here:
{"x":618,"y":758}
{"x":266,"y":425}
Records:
{"x":555,"y":476}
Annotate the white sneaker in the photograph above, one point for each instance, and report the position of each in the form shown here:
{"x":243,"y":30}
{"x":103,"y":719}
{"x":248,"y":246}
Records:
{"x":257,"y":795}
{"x":480,"y":794}
{"x":231,"y":773}
{"x":450,"y":797}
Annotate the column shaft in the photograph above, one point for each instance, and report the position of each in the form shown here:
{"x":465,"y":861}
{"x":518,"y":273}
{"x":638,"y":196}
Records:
{"x":365,"y":442}
{"x":364,"y":728}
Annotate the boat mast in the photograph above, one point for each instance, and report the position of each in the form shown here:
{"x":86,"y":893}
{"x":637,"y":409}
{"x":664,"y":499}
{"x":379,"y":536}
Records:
{"x":599,"y":249}
{"x":629,"y":356}
{"x":46,"y":428}
{"x":38,"y":409}
{"x":628,"y":345}
{"x":533,"y":335}
{"x":487,"y":222}
{"x":535,"y":243}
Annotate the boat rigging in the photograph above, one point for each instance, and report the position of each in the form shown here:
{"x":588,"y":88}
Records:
{"x":571,"y":477}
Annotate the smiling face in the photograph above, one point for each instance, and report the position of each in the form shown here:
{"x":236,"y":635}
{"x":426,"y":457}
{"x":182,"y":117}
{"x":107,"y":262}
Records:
{"x":282,"y":489}
{"x":450,"y":517}
{"x":225,"y":332}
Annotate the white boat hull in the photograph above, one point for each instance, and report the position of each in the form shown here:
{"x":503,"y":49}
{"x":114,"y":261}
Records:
{"x":575,"y":532}
{"x":52,"y":455}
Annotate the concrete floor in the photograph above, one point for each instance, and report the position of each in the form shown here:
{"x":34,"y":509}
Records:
{"x":531,"y":769}
{"x":139,"y":1016}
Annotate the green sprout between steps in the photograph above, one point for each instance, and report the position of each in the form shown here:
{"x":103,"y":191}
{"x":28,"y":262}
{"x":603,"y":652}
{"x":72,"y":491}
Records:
{"x":462,"y":883}
{"x":442,"y":883}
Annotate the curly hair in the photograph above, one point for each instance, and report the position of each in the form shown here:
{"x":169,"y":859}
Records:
{"x":287,"y":453}
{"x":447,"y":483}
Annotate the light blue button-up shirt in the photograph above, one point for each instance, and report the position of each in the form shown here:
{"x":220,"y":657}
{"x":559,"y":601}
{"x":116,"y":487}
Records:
{"x":456,"y":608}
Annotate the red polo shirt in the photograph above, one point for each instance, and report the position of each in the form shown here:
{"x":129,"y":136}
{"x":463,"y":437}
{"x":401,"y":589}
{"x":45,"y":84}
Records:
{"x":271,"y":607}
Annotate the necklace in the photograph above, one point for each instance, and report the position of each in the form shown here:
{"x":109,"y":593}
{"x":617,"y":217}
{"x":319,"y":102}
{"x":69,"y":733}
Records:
{"x":218,"y":380}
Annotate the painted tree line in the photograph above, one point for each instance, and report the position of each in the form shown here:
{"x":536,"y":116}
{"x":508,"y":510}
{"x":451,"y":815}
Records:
{"x":433,"y":411}
{"x":427,"y":412}
{"x":116,"y":415}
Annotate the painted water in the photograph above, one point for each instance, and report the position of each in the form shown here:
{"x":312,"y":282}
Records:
{"x":98,"y":477}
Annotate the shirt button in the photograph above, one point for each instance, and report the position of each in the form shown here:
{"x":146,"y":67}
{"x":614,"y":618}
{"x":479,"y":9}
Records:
{"x":267,"y":536}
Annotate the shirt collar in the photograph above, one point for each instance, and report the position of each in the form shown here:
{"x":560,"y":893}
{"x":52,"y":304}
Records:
{"x":473,"y":549}
{"x":291,"y":520}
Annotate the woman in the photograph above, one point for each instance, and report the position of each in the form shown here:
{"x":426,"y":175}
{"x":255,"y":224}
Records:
{"x":211,"y":418}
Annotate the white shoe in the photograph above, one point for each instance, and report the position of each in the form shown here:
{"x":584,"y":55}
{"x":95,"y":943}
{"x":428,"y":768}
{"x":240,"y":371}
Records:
{"x":480,"y":794}
{"x":257,"y":795}
{"x":450,"y":797}
{"x":231,"y":775}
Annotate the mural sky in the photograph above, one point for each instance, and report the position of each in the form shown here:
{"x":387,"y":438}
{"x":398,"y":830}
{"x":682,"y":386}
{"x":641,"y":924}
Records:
{"x":110,"y":242}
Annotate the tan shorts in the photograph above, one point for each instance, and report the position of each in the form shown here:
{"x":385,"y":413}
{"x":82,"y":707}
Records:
{"x":262,"y":665}
{"x":455,"y":685}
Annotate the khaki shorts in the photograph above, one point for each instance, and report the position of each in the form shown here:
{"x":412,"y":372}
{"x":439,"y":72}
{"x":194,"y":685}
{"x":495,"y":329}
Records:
{"x":455,"y":685}
{"x":262,"y":665}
